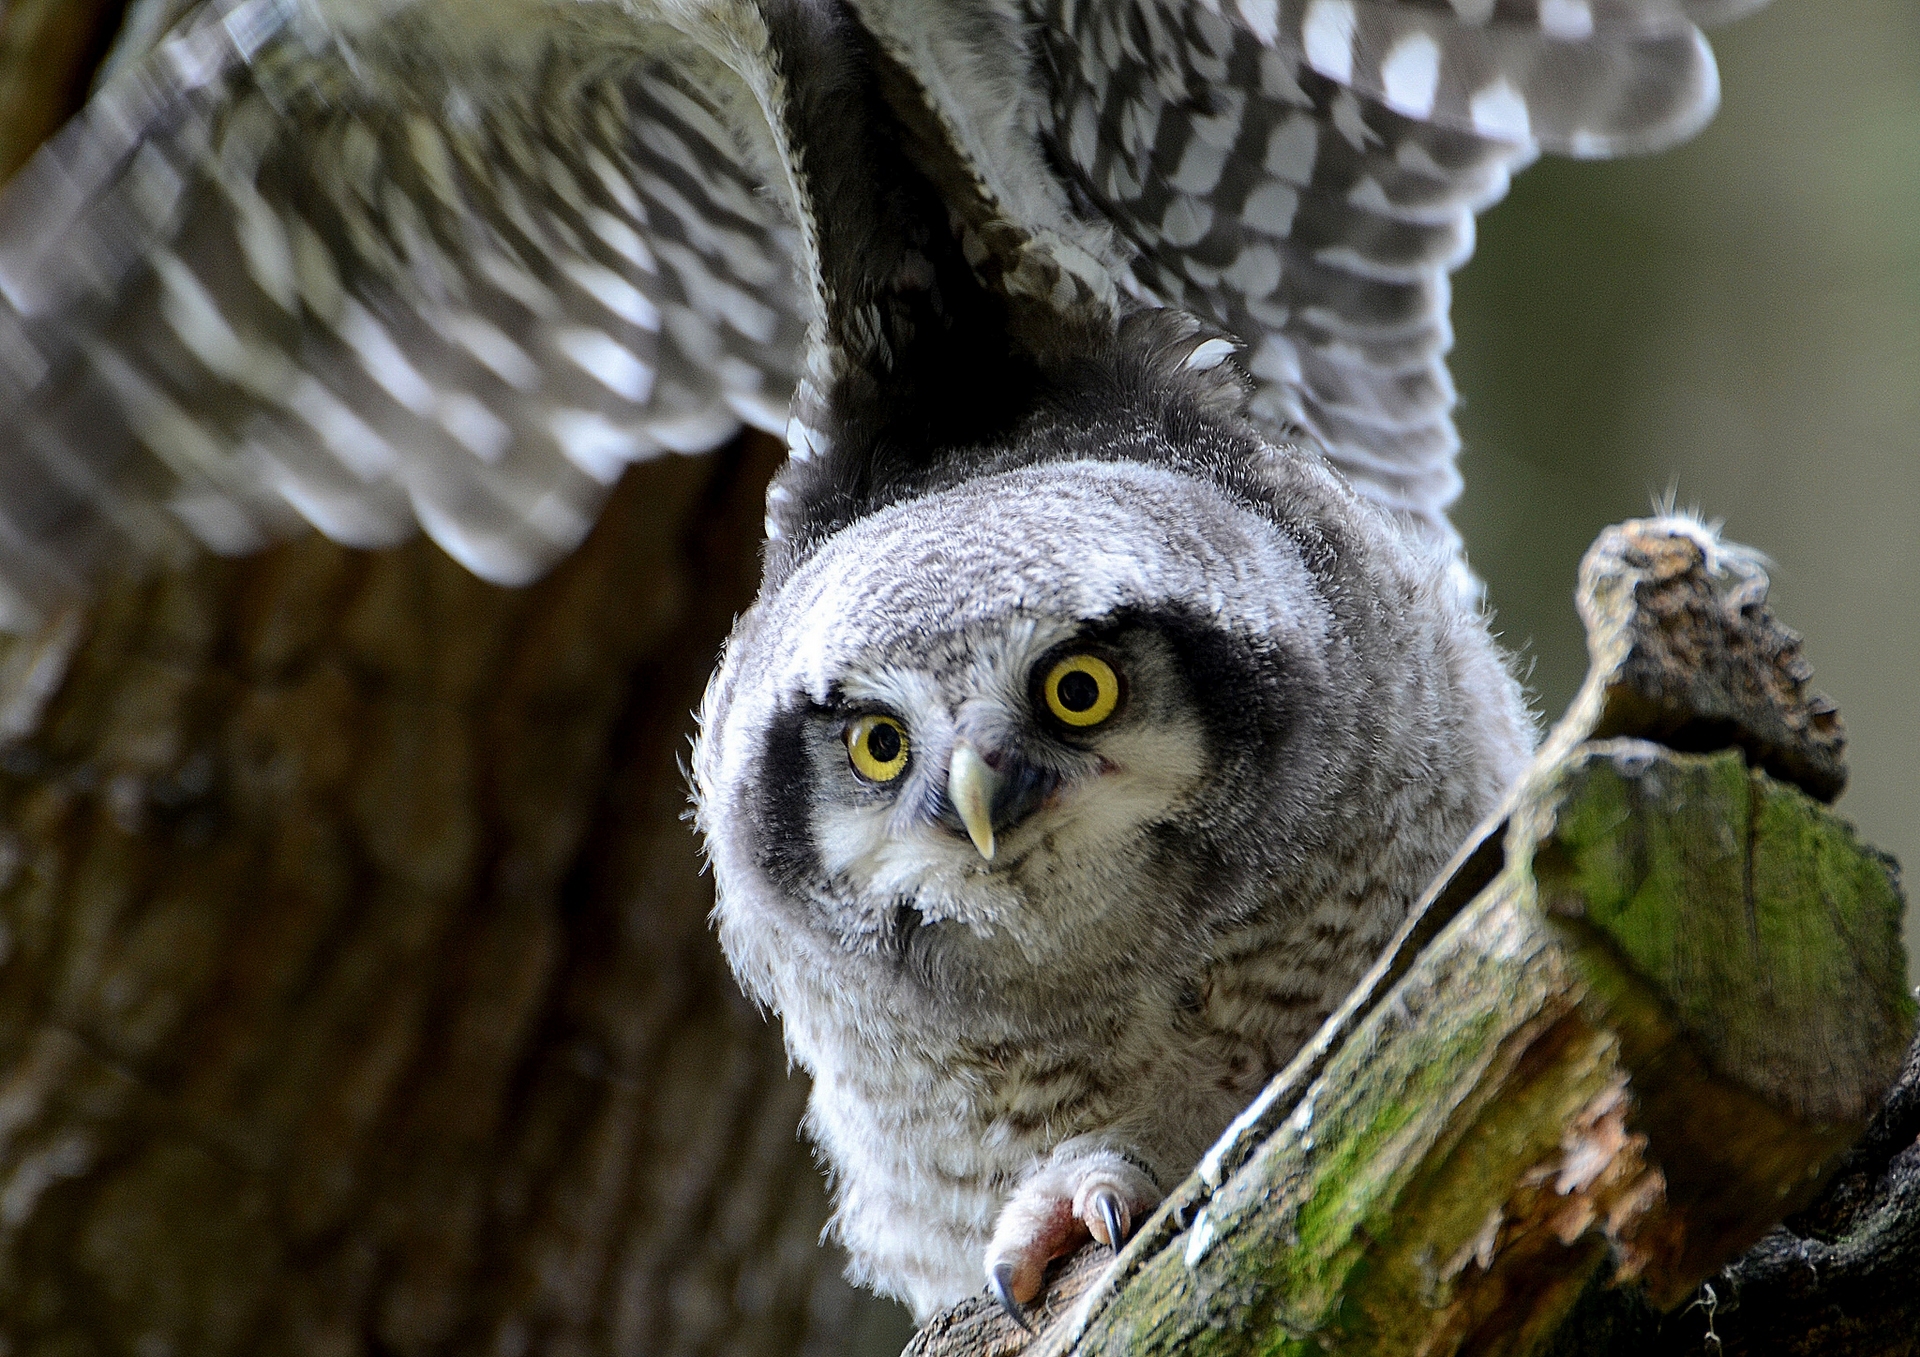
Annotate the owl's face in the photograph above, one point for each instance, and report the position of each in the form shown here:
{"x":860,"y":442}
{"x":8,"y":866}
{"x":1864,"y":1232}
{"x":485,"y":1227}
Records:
{"x":1066,"y":708}
{"x":1018,"y":749}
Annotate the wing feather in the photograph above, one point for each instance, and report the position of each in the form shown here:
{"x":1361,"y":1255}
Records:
{"x":279,"y":272}
{"x":1306,"y":174}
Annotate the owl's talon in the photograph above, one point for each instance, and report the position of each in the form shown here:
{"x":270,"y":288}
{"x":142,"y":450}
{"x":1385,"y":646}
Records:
{"x":1000,"y":1283}
{"x":1094,"y":1192}
{"x":1108,"y":1218}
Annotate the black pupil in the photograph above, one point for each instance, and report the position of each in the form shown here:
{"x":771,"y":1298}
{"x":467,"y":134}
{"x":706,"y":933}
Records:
{"x":883,"y":742}
{"x":1078,"y":690}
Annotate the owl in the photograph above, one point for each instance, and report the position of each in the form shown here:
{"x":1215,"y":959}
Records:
{"x":1116,"y":679}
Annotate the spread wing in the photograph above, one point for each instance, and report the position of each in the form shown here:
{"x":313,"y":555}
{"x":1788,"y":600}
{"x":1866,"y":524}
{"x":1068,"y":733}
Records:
{"x":370,"y":272}
{"x":1306,"y":173}
{"x":369,"y":266}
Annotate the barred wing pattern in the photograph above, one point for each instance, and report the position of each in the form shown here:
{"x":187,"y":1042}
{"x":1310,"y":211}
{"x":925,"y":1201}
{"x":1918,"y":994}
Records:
{"x":372,"y":263}
{"x":278,"y":270}
{"x":1305,"y":173}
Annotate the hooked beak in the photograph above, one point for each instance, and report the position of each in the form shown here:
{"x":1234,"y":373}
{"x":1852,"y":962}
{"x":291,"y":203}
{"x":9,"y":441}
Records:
{"x":972,"y":787}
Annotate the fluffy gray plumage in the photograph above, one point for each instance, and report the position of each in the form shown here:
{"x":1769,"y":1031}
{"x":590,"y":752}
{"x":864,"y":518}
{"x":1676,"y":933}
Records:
{"x":1312,"y":723}
{"x":1102,"y":332}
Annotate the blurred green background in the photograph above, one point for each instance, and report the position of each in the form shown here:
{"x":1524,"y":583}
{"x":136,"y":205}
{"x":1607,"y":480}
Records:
{"x":1738,"y":319}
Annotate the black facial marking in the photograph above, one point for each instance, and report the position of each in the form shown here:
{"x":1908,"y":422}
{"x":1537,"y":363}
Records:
{"x":1254,"y":707}
{"x":1245,"y":694}
{"x":787,"y":850}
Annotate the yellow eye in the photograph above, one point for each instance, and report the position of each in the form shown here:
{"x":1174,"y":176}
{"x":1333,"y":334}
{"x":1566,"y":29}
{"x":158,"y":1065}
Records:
{"x":1082,"y":690}
{"x":877,"y":747}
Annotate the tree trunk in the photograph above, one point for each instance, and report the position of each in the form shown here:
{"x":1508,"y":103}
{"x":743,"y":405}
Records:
{"x":358,"y":992}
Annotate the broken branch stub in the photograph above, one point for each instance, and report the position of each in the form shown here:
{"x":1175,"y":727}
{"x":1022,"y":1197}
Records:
{"x":1634,"y":1025}
{"x":1683,"y":649}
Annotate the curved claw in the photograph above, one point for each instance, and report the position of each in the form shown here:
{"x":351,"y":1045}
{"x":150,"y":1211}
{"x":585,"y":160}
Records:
{"x":1112,"y":1214}
{"x":1000,"y":1283}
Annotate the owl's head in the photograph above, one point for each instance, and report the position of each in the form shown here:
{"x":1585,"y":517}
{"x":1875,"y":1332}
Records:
{"x":965,"y":695}
{"x":1051,"y":714}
